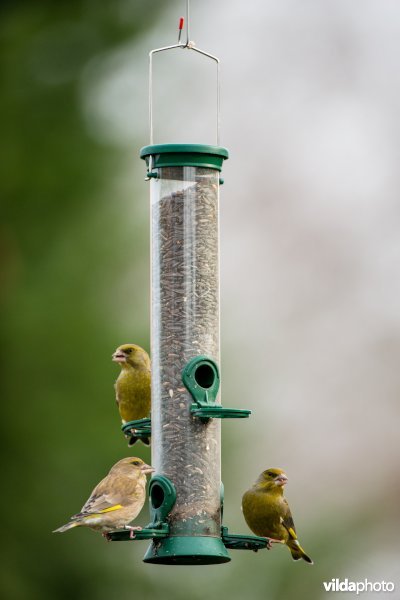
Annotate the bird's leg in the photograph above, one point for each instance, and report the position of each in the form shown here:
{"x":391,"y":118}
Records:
{"x":132,"y":530}
{"x":106,"y":536}
{"x":271,"y":541}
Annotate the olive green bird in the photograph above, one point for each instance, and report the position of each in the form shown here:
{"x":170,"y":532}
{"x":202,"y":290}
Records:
{"x":116,"y":500}
{"x":133,"y":386}
{"x":267,"y":512}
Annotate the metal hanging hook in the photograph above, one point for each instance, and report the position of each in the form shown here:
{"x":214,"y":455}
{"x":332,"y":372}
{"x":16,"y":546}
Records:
{"x":189,"y":45}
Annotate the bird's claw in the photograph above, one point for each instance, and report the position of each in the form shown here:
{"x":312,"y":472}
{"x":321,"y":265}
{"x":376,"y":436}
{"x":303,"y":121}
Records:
{"x":271,"y":541}
{"x":132,"y":531}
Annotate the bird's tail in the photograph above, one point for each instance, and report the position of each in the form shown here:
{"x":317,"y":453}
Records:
{"x":298,"y":552}
{"x":67,"y":526}
{"x":133,"y":439}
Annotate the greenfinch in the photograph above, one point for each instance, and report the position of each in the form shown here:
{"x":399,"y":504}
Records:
{"x":267,"y":513}
{"x":133,"y":386}
{"x":116,"y":500}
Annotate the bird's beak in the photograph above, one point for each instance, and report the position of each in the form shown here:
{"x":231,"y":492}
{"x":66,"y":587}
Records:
{"x":119,"y":356}
{"x":281,"y":480}
{"x":147,"y":469}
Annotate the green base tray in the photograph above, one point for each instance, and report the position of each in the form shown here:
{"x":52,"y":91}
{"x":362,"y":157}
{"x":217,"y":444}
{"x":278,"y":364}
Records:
{"x":190,"y":550}
{"x":182,"y":550}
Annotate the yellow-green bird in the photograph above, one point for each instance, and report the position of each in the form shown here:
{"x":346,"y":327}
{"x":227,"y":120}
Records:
{"x":267,"y":512}
{"x":133,"y":386}
{"x":116,"y":500}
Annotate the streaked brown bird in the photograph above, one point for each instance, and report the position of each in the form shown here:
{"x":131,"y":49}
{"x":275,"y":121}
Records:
{"x":116,"y":500}
{"x":133,"y":386}
{"x":267,"y":512}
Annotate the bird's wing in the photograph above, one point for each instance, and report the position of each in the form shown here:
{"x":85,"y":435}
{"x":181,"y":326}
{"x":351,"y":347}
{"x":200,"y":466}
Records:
{"x":112,"y":493}
{"x":116,"y":393}
{"x":95,"y":506}
{"x":287,"y":520}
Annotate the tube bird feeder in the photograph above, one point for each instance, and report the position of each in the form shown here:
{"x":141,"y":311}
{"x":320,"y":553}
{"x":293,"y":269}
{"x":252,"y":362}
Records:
{"x":186,"y":494}
{"x":185,"y":340}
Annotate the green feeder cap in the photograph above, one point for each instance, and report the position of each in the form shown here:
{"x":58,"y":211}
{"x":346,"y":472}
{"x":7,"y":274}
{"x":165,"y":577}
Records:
{"x":185,"y":155}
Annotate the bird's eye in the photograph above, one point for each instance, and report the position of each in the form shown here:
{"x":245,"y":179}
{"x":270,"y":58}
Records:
{"x":128,"y":350}
{"x":270,"y":474}
{"x":136,"y":463}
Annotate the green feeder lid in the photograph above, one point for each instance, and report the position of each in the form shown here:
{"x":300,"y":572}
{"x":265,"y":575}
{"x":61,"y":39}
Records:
{"x":185,"y":155}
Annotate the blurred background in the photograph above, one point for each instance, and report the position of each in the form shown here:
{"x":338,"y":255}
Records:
{"x":310,"y":287}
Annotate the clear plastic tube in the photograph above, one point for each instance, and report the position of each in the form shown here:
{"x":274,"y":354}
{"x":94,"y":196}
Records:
{"x":185,"y":324}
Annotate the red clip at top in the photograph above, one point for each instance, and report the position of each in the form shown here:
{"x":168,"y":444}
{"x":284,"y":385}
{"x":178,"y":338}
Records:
{"x":181,"y":22}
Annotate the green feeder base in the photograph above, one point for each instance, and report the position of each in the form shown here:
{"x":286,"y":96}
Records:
{"x":187,"y":550}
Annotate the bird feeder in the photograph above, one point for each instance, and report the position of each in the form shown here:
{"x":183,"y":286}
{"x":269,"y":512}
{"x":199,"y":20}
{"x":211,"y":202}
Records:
{"x":186,"y":494}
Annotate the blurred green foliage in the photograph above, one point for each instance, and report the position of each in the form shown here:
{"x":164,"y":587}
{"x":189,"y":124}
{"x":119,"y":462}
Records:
{"x":64,"y":251}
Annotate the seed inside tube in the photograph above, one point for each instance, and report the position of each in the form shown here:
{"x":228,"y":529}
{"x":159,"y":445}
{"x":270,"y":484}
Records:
{"x":185,"y":323}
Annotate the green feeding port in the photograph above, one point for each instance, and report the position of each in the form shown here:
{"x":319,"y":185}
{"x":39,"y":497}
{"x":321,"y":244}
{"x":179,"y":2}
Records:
{"x":205,"y":376}
{"x":162,"y":496}
{"x":157,"y":497}
{"x":201,"y":377}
